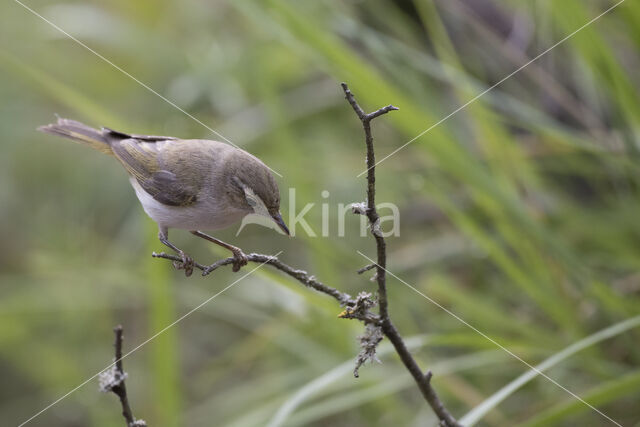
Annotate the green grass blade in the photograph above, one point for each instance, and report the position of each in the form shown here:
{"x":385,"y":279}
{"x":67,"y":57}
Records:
{"x":319,"y":383}
{"x":600,"y":395}
{"x":494,"y":400}
{"x":163,"y":350}
{"x":59,"y":91}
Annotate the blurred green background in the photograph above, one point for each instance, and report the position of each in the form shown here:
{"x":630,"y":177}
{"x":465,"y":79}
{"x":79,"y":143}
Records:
{"x":520,"y":213}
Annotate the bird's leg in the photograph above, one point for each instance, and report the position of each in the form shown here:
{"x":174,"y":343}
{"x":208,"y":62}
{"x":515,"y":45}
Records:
{"x":239,"y":257}
{"x":187,"y":262}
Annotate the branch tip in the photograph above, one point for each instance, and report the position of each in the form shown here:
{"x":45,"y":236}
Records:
{"x":366,"y":268}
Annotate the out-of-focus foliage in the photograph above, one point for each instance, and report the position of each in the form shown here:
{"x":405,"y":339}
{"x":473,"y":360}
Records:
{"x":520,"y":213}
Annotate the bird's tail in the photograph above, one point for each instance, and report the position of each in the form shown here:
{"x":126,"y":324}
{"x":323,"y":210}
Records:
{"x":79,"y":132}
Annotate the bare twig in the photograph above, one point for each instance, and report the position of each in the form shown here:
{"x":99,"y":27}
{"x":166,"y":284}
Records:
{"x":366,"y":268}
{"x":301,"y":276}
{"x":112,"y":380}
{"x":389,"y":330}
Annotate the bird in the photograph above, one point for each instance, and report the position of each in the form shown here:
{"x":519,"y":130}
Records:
{"x":190,"y":184}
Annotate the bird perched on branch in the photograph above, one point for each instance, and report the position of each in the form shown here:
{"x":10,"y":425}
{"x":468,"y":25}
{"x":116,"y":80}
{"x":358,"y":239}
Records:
{"x":192,"y":184}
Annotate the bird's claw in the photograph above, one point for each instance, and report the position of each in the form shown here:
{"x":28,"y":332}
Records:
{"x":239,"y":260}
{"x":186,"y":264}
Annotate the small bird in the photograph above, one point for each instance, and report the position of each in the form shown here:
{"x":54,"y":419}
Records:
{"x":192,"y":184}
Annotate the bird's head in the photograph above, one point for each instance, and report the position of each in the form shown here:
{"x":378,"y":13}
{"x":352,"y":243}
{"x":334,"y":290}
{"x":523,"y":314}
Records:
{"x":253,"y":187}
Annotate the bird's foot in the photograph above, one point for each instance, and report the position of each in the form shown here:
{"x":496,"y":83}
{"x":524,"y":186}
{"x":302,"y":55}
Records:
{"x":186,"y":264}
{"x":239,"y":259}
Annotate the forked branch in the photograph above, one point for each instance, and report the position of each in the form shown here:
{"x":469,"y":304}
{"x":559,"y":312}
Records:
{"x":386,"y":325}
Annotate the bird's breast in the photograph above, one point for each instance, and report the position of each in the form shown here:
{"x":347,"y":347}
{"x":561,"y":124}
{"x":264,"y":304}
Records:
{"x":206,"y":214}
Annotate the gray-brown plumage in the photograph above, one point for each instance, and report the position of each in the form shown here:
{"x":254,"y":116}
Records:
{"x":191,"y":184}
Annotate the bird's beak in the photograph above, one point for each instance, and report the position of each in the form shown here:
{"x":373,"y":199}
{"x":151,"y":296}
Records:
{"x":278,"y":220}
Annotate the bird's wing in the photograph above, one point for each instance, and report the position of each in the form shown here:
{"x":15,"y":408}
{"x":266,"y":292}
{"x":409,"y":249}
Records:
{"x":162,"y":167}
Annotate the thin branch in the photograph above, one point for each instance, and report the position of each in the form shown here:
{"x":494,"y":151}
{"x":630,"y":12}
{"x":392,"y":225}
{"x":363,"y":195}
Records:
{"x":389,"y":330}
{"x":112,"y":380}
{"x":372,"y":213}
{"x":366,"y":268}
{"x":301,"y":276}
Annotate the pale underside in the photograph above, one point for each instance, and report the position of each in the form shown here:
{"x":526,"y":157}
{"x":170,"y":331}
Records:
{"x":178,"y":182}
{"x":205,"y":214}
